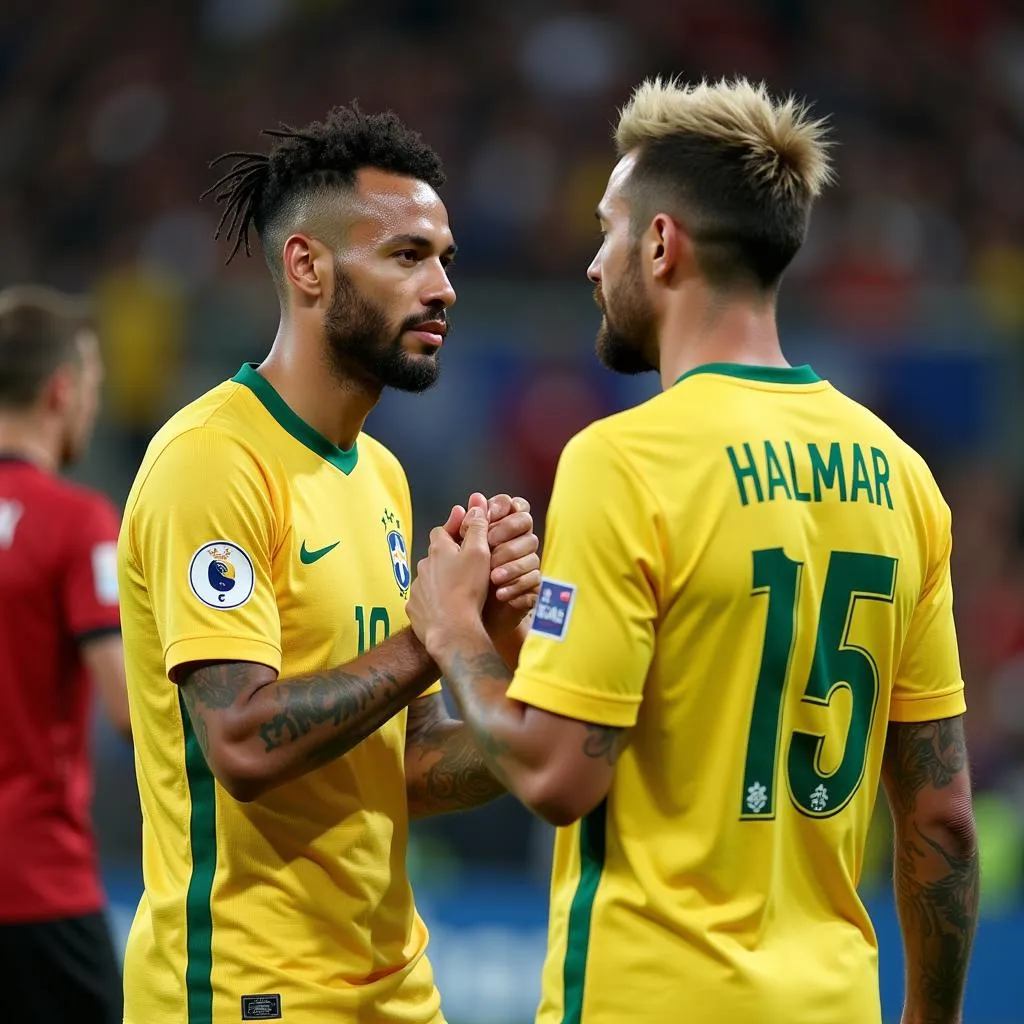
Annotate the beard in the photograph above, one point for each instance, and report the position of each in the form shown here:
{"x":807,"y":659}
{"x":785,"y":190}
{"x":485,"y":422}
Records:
{"x":625,"y":338}
{"x":363,"y":344}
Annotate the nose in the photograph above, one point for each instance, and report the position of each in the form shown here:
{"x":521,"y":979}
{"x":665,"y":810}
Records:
{"x":594,"y":270}
{"x":439,"y":290}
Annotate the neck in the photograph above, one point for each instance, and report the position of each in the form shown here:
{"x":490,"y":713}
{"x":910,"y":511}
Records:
{"x":700,"y":328}
{"x":333,"y":405}
{"x":30,"y":437}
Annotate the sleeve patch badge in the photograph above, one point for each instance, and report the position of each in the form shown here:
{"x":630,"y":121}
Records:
{"x":221,"y":575}
{"x":554,"y":606}
{"x":104,"y":572}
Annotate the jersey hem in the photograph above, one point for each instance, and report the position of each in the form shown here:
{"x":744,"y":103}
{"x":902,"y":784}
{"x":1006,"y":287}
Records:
{"x":221,"y":648}
{"x":947,"y":704}
{"x":573,"y":702}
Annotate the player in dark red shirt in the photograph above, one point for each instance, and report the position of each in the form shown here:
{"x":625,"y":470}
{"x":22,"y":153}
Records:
{"x":59,"y":633}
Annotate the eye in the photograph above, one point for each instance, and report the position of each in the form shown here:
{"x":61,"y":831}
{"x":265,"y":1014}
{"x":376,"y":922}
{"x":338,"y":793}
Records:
{"x":408,"y":256}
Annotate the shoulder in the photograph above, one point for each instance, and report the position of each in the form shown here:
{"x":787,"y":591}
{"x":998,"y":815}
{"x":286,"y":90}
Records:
{"x":913,"y":465}
{"x":212,"y":433}
{"x":197,"y":460}
{"x":220,"y":410}
{"x":82,"y":507}
{"x":612,"y":440}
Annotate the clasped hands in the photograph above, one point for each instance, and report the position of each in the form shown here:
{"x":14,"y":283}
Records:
{"x":482,"y":569}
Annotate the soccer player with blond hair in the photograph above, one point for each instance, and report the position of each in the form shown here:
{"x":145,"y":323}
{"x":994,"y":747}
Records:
{"x":745,"y":624}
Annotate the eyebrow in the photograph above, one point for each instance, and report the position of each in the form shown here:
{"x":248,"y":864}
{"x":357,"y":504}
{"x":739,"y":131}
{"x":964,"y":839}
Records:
{"x":421,"y":242}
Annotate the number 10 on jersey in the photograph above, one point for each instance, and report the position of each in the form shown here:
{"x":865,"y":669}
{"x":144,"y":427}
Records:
{"x":380,"y":626}
{"x":837,"y":662}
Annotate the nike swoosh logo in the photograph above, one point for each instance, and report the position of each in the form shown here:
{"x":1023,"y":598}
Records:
{"x":309,"y":557}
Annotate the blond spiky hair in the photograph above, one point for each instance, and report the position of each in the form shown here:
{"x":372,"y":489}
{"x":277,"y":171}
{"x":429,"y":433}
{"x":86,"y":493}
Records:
{"x":784,"y":147}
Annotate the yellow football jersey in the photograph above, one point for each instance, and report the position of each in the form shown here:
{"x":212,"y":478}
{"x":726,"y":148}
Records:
{"x":249,"y":536}
{"x":750,"y":572}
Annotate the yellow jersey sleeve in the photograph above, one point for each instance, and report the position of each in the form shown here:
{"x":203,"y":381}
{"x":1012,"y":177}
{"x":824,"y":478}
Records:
{"x":929,"y":684}
{"x":203,"y":533}
{"x":592,"y":639}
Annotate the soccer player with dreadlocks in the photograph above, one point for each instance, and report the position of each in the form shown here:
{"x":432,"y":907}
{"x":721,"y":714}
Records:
{"x":286,"y":721}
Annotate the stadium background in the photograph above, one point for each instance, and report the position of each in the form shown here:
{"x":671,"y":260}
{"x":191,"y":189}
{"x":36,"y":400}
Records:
{"x":909,"y":295}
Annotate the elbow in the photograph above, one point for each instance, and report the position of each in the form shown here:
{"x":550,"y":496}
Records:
{"x":957,"y":833}
{"x":950,"y":824}
{"x":239,"y":773}
{"x":558,"y":803}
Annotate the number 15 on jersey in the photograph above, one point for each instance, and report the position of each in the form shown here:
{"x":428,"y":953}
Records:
{"x":837,"y":662}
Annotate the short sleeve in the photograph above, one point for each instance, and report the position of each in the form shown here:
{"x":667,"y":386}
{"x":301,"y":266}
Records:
{"x":203,"y":530}
{"x":929,"y":684}
{"x":590,"y":647}
{"x":89,"y":582}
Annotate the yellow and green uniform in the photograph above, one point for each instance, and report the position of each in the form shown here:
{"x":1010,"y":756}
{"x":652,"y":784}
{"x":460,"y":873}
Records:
{"x":248,"y":536}
{"x":750,"y":573}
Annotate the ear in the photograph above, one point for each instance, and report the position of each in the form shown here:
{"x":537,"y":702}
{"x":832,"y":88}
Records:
{"x":308,"y":266}
{"x":59,"y":391}
{"x":671,"y":247}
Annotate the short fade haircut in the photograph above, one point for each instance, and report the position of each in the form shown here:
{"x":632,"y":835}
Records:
{"x":738,"y":169}
{"x":270,"y":191}
{"x":39,"y":332}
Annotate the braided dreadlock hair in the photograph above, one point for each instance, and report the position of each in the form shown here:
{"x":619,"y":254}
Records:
{"x":261,"y":190}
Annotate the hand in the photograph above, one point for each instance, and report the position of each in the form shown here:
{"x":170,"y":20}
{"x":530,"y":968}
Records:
{"x":451,"y":583}
{"x":515,"y":562}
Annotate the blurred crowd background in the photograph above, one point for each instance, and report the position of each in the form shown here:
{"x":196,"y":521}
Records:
{"x":909,"y":295}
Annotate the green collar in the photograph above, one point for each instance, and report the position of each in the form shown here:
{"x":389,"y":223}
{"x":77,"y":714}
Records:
{"x":295,"y":425}
{"x":764,"y":374}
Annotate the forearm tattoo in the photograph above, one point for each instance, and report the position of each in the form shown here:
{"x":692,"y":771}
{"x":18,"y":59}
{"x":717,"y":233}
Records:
{"x":936,"y":869}
{"x":445,"y":769}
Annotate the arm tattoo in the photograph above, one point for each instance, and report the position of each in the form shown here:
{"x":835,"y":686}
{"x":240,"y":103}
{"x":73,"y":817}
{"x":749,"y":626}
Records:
{"x":336,"y":698}
{"x":927,"y":754}
{"x":306,"y":721}
{"x":445,"y":770}
{"x":489,"y":665}
{"x":215,"y":685}
{"x":469,"y":678}
{"x":935,"y":866}
{"x":211,"y":687}
{"x":602,"y":742}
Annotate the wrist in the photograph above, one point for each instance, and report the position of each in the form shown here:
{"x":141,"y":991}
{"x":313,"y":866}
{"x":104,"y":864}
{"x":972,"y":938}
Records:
{"x":464,"y":636}
{"x":510,"y":644}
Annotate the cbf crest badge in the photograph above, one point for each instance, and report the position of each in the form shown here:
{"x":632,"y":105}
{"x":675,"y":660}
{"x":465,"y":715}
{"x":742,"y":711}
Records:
{"x":398,"y":551}
{"x":221,"y":575}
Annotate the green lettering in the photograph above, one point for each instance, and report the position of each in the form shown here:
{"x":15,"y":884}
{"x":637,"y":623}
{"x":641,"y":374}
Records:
{"x":881,"y":476}
{"x":797,"y":493}
{"x":860,"y":476}
{"x":776,"y":478}
{"x":826,"y":474}
{"x":742,"y":472}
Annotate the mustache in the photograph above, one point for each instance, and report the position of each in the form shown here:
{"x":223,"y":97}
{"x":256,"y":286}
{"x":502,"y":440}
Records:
{"x":433,"y":316}
{"x":599,"y":297}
